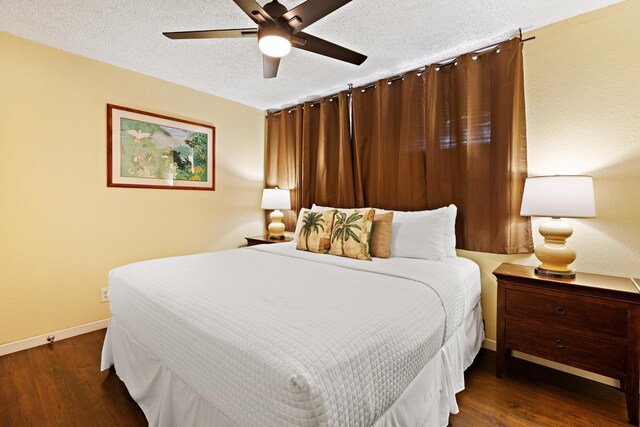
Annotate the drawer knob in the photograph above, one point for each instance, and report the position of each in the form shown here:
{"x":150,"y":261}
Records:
{"x":559,"y":343}
{"x":560,"y":310}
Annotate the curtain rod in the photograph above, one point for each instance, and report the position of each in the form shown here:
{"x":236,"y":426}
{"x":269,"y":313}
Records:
{"x":447,"y":62}
{"x":311,"y":102}
{"x":439,"y":64}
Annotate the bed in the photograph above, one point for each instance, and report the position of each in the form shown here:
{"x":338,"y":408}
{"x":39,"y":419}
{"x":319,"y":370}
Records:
{"x":272,"y":336}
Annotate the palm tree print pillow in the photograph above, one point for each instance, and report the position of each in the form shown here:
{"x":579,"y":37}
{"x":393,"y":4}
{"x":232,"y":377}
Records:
{"x":351,"y":231}
{"x":315,"y":231}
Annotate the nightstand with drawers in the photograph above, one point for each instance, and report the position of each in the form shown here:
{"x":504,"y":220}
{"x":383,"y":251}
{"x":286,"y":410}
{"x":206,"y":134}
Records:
{"x":591,"y":322}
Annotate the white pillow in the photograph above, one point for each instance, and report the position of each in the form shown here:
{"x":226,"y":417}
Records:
{"x":418,"y":234}
{"x":450,"y":230}
{"x":317,"y":208}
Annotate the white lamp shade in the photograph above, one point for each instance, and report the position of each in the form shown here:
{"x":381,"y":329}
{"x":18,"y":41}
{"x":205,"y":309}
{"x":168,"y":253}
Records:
{"x":276,"y":198}
{"x":566,"y":196}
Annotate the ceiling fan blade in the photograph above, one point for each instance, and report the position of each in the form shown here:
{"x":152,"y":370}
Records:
{"x":213,"y":34}
{"x":322,"y":47}
{"x":254,"y":11}
{"x":270,"y":66}
{"x":309,"y":12}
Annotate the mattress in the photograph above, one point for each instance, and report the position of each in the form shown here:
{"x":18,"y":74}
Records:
{"x":470,"y":274}
{"x":273,"y":336}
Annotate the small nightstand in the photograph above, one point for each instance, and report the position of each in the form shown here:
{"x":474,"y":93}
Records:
{"x":591,"y":322}
{"x":264,"y":239}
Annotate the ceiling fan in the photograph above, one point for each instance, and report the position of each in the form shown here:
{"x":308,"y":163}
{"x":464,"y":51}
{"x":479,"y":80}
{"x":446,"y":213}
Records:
{"x":279,"y":29}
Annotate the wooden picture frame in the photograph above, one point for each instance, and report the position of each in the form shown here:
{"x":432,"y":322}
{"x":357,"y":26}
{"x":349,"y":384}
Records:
{"x":148,"y":150}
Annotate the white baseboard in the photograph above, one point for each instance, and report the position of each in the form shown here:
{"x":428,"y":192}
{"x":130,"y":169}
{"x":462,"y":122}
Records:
{"x":490,"y":344}
{"x":14,"y":346}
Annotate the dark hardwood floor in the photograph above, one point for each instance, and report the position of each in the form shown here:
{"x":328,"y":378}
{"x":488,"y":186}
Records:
{"x":532,"y":395}
{"x":60,"y":385}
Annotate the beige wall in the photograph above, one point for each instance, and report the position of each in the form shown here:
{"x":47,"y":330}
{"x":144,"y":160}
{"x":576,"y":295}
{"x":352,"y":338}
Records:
{"x":61,"y":228}
{"x":582,"y":79}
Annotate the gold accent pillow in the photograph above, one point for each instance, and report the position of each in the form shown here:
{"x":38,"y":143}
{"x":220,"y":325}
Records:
{"x":381,"y":235}
{"x":351,"y":231}
{"x":315,"y":231}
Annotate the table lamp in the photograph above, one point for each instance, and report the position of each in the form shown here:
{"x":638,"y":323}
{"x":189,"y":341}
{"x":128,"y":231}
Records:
{"x":567,"y":196}
{"x":276,"y":199}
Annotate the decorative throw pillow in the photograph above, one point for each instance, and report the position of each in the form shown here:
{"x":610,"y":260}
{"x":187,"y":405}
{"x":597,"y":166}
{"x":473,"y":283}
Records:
{"x":351,"y":231}
{"x":314,"y":234}
{"x":381,"y":235}
{"x":296,"y":232}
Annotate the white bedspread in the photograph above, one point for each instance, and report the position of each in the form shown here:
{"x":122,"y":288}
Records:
{"x":274,"y":336}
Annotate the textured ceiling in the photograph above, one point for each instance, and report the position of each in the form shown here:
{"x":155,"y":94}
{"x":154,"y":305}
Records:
{"x":396,"y":36}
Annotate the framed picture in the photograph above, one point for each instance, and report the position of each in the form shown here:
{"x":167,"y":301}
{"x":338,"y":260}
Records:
{"x":146,"y":150}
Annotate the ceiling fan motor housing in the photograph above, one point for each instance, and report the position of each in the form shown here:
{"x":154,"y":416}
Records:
{"x":275,"y":9}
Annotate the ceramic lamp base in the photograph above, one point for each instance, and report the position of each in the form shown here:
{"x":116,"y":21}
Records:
{"x":555,"y":255}
{"x":276,"y":227}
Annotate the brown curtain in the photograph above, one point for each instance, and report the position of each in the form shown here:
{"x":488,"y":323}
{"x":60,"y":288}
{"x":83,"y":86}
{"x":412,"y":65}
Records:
{"x":283,"y":158}
{"x":389,"y":143}
{"x":327,"y":162}
{"x":476,"y":148}
{"x":450,"y":134}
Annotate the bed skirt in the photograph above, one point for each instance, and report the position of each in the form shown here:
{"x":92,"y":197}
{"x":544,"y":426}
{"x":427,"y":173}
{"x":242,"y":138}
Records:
{"x":168,"y":401}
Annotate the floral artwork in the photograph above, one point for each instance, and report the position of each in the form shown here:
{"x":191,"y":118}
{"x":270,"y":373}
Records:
{"x":147,"y":150}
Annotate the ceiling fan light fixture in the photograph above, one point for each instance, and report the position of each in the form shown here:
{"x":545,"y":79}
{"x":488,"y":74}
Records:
{"x":274,"y":43}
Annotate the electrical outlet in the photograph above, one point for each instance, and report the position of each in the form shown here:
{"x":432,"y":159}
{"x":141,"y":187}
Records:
{"x":104,"y":295}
